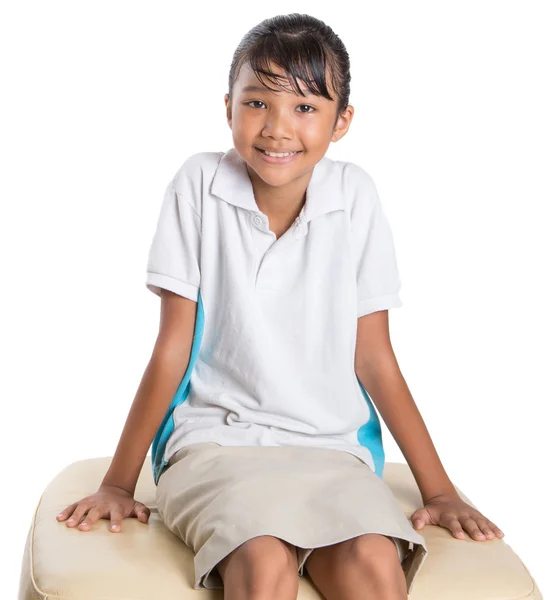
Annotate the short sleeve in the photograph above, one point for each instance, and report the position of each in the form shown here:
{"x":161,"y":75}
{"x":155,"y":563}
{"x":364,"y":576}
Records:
{"x":377,"y":273}
{"x":174,"y":256}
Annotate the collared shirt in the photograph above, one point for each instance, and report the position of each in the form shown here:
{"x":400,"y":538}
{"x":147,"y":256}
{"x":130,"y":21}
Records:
{"x":272,"y":361}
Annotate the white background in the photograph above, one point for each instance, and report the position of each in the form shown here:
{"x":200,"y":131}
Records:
{"x":102,"y":103}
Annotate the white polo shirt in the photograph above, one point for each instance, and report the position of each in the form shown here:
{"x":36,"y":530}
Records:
{"x":272,"y":361}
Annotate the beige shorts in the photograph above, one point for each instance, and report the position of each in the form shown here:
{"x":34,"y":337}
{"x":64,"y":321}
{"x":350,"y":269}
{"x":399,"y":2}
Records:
{"x":215,"y":498}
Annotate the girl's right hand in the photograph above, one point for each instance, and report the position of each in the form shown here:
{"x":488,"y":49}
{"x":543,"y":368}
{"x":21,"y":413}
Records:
{"x":108,"y":502}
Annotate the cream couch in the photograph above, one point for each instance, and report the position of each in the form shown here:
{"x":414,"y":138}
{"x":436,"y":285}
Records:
{"x":148,"y":562}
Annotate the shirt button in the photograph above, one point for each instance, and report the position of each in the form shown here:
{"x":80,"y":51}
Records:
{"x":257,"y":220}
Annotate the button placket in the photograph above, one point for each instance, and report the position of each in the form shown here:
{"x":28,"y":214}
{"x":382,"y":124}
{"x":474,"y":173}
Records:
{"x":262,"y":245}
{"x":271,"y":251}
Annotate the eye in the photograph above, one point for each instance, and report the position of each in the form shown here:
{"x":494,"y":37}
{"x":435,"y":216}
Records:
{"x":312,"y":109}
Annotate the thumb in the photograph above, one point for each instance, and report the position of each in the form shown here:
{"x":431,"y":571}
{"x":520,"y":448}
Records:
{"x":418,"y":519}
{"x":141,"y":512}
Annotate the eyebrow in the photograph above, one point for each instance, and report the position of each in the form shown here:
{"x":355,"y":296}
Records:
{"x":255,"y":88}
{"x":258,"y":88}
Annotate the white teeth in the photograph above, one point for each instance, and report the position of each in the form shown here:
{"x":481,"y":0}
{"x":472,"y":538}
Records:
{"x":278,"y":154}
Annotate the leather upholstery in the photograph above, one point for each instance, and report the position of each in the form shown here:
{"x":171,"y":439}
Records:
{"x":148,"y":562}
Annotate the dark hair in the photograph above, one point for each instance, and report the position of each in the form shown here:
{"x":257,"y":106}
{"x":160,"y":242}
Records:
{"x":303,"y":47}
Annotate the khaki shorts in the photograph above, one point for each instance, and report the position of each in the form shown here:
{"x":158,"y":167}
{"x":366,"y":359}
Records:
{"x":215,"y":498}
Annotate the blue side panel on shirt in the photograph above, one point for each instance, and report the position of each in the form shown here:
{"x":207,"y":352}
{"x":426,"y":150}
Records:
{"x":166,"y":428}
{"x":370,"y":435}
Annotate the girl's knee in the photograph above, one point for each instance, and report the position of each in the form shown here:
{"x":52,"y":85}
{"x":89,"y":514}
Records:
{"x":264,"y":559}
{"x":375,"y":550}
{"x":270,"y":550}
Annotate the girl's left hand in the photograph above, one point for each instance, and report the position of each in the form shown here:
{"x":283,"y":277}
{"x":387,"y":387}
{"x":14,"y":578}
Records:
{"x":451,"y":512}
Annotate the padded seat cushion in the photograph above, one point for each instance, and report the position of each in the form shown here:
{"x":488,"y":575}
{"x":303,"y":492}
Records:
{"x":148,"y":562}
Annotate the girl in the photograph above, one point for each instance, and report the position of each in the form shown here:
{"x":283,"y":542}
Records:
{"x":276,"y":269}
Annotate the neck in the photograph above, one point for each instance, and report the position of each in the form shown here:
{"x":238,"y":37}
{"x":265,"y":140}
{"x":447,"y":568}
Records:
{"x":280,"y":203}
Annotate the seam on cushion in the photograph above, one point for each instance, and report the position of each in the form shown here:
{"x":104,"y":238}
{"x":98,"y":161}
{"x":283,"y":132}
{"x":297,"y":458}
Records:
{"x":31,"y":551}
{"x":531,"y":595}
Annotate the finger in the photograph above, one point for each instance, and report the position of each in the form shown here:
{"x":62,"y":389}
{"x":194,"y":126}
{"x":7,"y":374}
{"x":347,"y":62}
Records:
{"x":92,"y":517}
{"x":116,"y":516}
{"x":419,"y":518}
{"x":68,"y":511}
{"x":497,"y":531}
{"x":137,"y":510}
{"x":453,"y":524}
{"x":483,"y":524}
{"x":77,"y":515}
{"x":471,"y":526}
{"x":142,"y":512}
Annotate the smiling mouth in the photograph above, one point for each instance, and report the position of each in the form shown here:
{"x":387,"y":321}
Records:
{"x":261,"y":150}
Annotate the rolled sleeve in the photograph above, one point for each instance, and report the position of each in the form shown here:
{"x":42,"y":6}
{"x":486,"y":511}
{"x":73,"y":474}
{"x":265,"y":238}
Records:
{"x":377,"y":273}
{"x":174,"y":256}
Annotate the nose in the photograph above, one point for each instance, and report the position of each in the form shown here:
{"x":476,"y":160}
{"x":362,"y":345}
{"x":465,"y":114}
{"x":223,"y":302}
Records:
{"x":278,"y":125}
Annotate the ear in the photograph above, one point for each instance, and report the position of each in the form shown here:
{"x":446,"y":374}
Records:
{"x":342,"y":123}
{"x":228,"y":110}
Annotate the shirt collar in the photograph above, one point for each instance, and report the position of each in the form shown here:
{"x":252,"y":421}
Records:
{"x":231,"y":183}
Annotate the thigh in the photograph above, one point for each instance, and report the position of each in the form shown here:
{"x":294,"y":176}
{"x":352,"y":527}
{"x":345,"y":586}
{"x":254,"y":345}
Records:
{"x":277,"y":552}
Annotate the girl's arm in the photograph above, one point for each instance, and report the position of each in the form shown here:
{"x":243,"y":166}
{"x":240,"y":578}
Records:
{"x":159,"y":383}
{"x":378,"y":371}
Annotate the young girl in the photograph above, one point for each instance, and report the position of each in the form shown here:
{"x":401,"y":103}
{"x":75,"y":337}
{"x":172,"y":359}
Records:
{"x":276,"y":269}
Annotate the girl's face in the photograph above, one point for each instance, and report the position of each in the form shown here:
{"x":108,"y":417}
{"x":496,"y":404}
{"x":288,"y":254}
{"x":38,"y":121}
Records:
{"x":282,"y":121}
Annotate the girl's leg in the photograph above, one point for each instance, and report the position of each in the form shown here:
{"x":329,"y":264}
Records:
{"x":367,"y":566}
{"x":264,"y":567}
